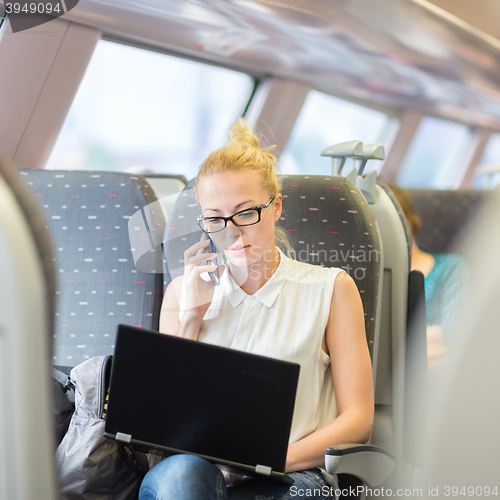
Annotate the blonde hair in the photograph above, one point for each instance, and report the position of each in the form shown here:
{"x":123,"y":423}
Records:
{"x":242,"y":152}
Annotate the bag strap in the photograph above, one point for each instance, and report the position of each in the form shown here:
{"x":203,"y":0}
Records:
{"x":61,"y":377}
{"x":137,"y":461}
{"x":65,"y":381}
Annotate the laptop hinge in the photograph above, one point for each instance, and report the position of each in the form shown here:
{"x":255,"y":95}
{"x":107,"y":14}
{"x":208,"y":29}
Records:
{"x":262,"y":469}
{"x":126,"y":438}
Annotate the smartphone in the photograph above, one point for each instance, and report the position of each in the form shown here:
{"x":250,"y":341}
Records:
{"x":214,"y":275}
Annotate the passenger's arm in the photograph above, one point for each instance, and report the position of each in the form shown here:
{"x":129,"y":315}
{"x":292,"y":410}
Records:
{"x":352,"y":379}
{"x":169,"y":315}
{"x":436,"y":349}
{"x":453,"y":293}
{"x":198,"y":295}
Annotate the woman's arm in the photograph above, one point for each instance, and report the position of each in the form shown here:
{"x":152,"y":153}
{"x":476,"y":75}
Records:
{"x":169,"y":314}
{"x":352,"y":380}
{"x":198,"y":295}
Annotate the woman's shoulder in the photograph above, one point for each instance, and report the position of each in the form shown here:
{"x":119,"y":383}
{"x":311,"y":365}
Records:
{"x":449,"y":261}
{"x":449,"y":266}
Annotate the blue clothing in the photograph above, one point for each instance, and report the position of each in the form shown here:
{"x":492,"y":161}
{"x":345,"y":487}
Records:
{"x":444,"y":293}
{"x":172,"y":479}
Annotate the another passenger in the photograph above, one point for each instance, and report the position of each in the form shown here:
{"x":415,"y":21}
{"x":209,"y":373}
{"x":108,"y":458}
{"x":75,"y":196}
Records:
{"x":278,"y":307}
{"x":444,"y":283}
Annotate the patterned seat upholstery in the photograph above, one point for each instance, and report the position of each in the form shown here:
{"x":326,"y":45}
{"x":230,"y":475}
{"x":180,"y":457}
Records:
{"x":167,"y":188}
{"x":329,"y":222}
{"x":448,"y":215}
{"x":99,"y":285}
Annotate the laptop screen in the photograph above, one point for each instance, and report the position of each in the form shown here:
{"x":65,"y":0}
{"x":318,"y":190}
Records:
{"x":200,"y":398}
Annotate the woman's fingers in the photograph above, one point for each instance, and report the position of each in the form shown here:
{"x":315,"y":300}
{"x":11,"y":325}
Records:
{"x":195,"y":249}
{"x":196,"y":271}
{"x":199,"y":292}
{"x":195,"y":254}
{"x":202,"y":257}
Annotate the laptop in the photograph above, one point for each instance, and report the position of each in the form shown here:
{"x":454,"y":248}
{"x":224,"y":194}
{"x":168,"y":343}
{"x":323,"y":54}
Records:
{"x":182,"y":396}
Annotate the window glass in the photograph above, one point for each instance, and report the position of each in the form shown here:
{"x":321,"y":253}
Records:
{"x":324,"y":121}
{"x":435,"y":155}
{"x":141,"y":111}
{"x":491,"y":157}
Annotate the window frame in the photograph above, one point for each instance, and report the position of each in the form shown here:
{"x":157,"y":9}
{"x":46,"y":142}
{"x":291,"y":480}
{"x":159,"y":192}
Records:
{"x":140,"y":44}
{"x":391,"y":127}
{"x":256,"y":78}
{"x":468,"y":153}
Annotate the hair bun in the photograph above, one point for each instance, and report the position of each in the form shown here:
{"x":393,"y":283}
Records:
{"x":241,"y":133}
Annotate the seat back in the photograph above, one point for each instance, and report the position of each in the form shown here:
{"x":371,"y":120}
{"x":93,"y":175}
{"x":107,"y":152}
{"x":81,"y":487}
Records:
{"x":391,"y":391}
{"x":331,"y":225}
{"x":329,"y":222}
{"x":448,"y":215}
{"x":27,"y":305}
{"x":389,"y":425}
{"x":402,"y":216}
{"x":167,"y":188}
{"x":99,"y":284}
{"x":389,"y":397}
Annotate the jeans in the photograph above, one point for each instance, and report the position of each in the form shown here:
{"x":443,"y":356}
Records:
{"x":188,"y":477}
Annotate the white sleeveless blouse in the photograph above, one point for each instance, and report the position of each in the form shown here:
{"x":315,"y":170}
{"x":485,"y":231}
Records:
{"x":285,"y":319}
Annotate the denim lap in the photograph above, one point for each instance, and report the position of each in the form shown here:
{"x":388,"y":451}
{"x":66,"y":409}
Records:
{"x":307,"y":484}
{"x":183,"y":477}
{"x":188,"y":477}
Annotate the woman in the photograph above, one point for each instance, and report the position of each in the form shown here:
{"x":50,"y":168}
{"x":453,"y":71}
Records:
{"x":267,"y":304}
{"x":445,"y":275}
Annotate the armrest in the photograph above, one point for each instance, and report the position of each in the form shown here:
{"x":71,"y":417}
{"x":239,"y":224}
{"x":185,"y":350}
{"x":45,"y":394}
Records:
{"x":371,"y":464}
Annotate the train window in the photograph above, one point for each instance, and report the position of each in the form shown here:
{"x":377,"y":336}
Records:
{"x":491,"y":157}
{"x":323,"y":121}
{"x":144,"y":112}
{"x":435,"y":154}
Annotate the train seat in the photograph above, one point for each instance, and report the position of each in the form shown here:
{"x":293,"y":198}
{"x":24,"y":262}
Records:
{"x":27,"y":307}
{"x":99,"y":284}
{"x":329,"y":223}
{"x":167,"y":188}
{"x":401,"y":288}
{"x":448,"y":216}
{"x":390,"y":392}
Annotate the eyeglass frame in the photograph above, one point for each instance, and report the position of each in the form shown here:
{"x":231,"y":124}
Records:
{"x":259,"y":209}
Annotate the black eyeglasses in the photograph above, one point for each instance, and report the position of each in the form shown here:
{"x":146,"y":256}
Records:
{"x":246,"y":217}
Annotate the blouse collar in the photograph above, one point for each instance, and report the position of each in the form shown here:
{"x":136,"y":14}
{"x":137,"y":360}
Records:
{"x":267,"y":294}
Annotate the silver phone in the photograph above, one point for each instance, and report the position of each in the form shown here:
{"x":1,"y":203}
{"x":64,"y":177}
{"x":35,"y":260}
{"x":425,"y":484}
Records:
{"x":214,"y":275}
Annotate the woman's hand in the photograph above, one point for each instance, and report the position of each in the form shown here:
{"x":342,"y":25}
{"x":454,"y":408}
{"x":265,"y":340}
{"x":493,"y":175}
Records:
{"x":197,"y":292}
{"x":190,"y":294}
